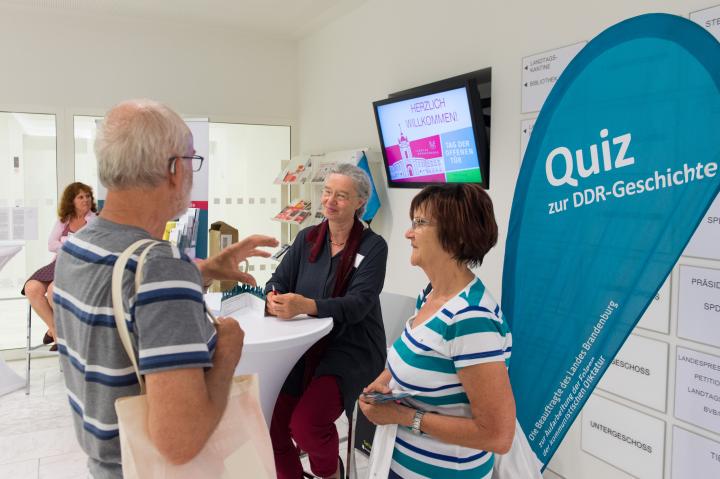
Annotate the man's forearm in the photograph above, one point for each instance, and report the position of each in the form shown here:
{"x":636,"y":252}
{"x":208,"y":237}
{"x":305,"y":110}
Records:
{"x":206,"y":276}
{"x":218,"y":380}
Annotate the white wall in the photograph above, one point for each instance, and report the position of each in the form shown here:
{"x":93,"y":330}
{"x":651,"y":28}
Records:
{"x":383,"y":47}
{"x":66,"y":63}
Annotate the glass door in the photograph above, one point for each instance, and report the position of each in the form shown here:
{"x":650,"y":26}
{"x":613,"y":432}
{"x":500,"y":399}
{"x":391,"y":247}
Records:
{"x":28,"y":211}
{"x":244,"y":161}
{"x":85,"y":130}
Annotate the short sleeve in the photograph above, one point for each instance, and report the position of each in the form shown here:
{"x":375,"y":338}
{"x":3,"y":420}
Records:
{"x":169,"y":317}
{"x":475,"y":338}
{"x":55,"y":241}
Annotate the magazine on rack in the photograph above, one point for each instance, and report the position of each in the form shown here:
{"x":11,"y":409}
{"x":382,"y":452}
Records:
{"x":183,"y":231}
{"x":296,"y":212}
{"x":321,"y":171}
{"x":296,"y":172}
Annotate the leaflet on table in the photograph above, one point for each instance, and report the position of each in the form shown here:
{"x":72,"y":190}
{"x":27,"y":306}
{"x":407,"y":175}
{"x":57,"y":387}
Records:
{"x":296,"y":172}
{"x":246,"y":301}
{"x":242,"y":296}
{"x":242,"y":301}
{"x":239,"y":306}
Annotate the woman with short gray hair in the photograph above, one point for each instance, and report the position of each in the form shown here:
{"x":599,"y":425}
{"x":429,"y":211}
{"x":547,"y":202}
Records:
{"x":360,"y":180}
{"x":334,"y":269}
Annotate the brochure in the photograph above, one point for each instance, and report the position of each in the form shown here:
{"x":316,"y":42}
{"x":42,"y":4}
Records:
{"x":322,"y":171}
{"x":296,"y":212}
{"x":297,"y":171}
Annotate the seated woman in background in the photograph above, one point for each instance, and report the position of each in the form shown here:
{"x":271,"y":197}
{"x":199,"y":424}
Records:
{"x":77,"y":208}
{"x":453,"y":355}
{"x":335,"y":269}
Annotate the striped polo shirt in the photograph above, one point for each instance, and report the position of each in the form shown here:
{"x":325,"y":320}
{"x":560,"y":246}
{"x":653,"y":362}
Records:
{"x":469,"y":329}
{"x":166,"y":320}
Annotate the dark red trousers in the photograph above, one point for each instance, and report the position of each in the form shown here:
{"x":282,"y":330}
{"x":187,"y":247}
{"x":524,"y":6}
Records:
{"x":309,"y":420}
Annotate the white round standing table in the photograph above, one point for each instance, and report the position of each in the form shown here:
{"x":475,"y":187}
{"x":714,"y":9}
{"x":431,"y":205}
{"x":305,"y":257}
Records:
{"x":272,"y":347}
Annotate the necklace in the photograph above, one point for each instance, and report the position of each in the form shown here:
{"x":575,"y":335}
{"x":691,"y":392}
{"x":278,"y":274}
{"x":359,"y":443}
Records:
{"x":337,"y":244}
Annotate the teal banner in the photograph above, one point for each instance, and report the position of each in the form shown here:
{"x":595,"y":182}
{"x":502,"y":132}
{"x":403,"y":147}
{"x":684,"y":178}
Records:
{"x":620,"y":169}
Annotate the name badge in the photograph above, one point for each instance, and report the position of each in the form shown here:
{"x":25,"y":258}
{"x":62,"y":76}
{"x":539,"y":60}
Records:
{"x":358,"y":259}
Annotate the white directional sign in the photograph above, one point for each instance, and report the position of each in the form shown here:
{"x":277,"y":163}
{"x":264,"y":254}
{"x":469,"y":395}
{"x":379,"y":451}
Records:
{"x":705,"y":243}
{"x":699,"y":305}
{"x":526,"y":128}
{"x":709,"y":19}
{"x":540,"y":73}
{"x":694,"y":456}
{"x":697,"y":389}
{"x":623,"y":437}
{"x":639,"y":372}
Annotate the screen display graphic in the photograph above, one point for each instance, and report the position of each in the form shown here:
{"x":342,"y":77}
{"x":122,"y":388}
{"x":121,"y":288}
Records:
{"x":429,"y":139}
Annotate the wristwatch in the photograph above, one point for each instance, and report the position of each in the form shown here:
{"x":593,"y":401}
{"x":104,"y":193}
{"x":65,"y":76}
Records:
{"x":417,"y":419}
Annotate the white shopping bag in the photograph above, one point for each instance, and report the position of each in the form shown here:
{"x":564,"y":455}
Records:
{"x":520,"y":462}
{"x":382,"y":451}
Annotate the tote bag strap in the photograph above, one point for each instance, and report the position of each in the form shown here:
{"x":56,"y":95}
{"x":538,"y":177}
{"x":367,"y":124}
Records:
{"x":117,"y":299}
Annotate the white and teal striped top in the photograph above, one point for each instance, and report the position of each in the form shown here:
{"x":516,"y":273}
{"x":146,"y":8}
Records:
{"x":469,"y":329}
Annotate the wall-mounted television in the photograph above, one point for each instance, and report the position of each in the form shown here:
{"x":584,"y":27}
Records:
{"x":434,"y":134}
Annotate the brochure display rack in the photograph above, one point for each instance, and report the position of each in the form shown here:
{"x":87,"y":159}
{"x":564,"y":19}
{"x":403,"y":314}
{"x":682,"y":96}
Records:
{"x":302,"y":178}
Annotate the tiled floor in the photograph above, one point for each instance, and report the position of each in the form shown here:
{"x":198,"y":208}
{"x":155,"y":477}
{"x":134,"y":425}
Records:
{"x":37,"y":440}
{"x":36,"y":433}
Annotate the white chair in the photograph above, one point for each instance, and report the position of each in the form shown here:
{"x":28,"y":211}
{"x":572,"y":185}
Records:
{"x":396,"y":310}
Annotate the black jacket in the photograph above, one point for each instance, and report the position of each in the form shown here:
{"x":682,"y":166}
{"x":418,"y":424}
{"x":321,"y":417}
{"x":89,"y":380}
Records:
{"x":356,"y":350}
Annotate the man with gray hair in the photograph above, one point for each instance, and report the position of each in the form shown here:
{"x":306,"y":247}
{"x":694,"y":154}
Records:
{"x":146,"y":160}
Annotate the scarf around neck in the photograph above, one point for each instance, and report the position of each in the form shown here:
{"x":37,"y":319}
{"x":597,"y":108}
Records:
{"x":317,"y":236}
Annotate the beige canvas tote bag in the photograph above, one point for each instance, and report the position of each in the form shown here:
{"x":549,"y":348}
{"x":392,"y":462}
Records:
{"x":238,"y":448}
{"x":519,"y":461}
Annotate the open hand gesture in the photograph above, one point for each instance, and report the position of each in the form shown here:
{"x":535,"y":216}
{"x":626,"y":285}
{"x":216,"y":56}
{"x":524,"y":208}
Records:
{"x":225,"y":266}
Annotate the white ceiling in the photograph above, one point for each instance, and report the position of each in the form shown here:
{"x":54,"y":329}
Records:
{"x":291,"y":19}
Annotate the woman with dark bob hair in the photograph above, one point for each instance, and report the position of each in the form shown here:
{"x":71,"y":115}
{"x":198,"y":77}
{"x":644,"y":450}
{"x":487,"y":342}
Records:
{"x":77,"y":208}
{"x":452,"y":356}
